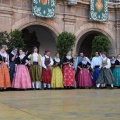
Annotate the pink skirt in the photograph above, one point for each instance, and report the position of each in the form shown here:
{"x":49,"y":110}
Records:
{"x":84,"y":78}
{"x":68,"y":76}
{"x":22,"y":78}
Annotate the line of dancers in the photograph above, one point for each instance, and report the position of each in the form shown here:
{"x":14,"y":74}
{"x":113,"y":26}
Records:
{"x":20,"y":70}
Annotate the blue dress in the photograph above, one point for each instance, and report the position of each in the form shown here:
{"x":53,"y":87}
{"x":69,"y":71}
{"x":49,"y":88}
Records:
{"x":116,"y":73}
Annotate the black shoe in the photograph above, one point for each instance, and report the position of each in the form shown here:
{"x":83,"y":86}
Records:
{"x":97,"y":88}
{"x":49,"y":88}
{"x":111,"y":88}
{"x":103,"y":87}
{"x":45,"y":88}
{"x":2,"y":90}
{"x":38,"y":89}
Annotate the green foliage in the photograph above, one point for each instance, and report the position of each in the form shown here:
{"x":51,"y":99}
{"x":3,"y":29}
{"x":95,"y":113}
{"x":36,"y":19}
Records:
{"x":16,"y":39}
{"x":65,"y":42}
{"x":4,"y":38}
{"x":100,"y":44}
{"x":12,"y":39}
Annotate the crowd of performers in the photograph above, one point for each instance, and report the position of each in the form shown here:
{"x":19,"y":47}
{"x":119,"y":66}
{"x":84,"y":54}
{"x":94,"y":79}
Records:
{"x":20,"y":70}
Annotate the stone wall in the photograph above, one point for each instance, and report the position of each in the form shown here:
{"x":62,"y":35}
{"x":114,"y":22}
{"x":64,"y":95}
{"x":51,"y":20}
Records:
{"x":17,"y":14}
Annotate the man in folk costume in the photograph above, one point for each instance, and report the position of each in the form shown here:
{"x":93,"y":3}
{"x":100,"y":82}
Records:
{"x":47,"y":62}
{"x":35,"y":63}
{"x":105,"y":76}
{"x":12,"y":58}
{"x":96,"y":65}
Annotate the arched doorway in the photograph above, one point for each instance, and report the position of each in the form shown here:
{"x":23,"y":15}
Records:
{"x":85,"y":43}
{"x":40,"y":36}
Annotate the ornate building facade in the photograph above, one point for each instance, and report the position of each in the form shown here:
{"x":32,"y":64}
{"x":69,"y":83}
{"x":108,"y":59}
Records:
{"x":17,"y":14}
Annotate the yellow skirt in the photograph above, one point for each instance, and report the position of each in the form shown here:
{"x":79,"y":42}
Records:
{"x":57,"y":78}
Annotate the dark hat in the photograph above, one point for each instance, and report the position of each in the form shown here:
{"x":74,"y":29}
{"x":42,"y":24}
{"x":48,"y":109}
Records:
{"x":105,"y":53}
{"x":46,"y":51}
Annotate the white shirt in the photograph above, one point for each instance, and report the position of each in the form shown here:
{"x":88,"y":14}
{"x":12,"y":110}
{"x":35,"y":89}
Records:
{"x":35,"y":57}
{"x":96,"y":61}
{"x":43,"y":61}
{"x":108,"y":62}
{"x":6,"y":57}
{"x":88,"y":60}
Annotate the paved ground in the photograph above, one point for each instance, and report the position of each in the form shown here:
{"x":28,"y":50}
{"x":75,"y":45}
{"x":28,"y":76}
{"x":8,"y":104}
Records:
{"x":60,"y":105}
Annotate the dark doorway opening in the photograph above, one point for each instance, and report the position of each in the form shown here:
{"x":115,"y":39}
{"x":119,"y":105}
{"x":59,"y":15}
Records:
{"x":85,"y":43}
{"x":41,"y":37}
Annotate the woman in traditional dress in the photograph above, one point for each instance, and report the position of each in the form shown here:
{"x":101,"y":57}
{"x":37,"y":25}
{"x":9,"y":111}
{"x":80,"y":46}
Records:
{"x":105,"y":76}
{"x":12,"y":59}
{"x":68,"y":72}
{"x":84,"y":76}
{"x":4,"y":73}
{"x":57,"y":76}
{"x":96,"y":65}
{"x":116,"y":72}
{"x":79,"y":59}
{"x":22,"y":77}
{"x":113,"y":63}
{"x":35,"y":72}
{"x":47,"y":62}
{"x":6,"y":55}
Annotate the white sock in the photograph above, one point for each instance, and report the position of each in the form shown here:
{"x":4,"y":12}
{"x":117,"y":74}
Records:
{"x":38,"y":84}
{"x":112,"y":85}
{"x":98,"y":85}
{"x":33,"y":85}
{"x":104,"y":85}
{"x":49,"y":86}
{"x":44,"y":85}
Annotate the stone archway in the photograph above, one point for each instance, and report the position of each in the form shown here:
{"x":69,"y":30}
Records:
{"x":85,"y":43}
{"x":34,"y":26}
{"x":89,"y":31}
{"x":32,"y":20}
{"x":40,"y":36}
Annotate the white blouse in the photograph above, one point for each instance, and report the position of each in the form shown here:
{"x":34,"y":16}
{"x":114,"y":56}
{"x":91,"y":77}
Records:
{"x":5,"y":54}
{"x":35,"y":57}
{"x":108,"y":62}
{"x":96,"y":61}
{"x":43,"y":61}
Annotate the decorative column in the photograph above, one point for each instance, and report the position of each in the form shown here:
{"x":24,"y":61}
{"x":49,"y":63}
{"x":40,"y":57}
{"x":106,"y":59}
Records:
{"x":117,"y":26}
{"x":69,"y":17}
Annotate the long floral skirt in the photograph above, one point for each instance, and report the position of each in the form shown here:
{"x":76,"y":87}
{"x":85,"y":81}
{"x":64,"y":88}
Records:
{"x":46,"y":75}
{"x":116,"y":74}
{"x":4,"y":76}
{"x":84,"y":78}
{"x":22,"y":78}
{"x":57,"y":78}
{"x":68,"y":76}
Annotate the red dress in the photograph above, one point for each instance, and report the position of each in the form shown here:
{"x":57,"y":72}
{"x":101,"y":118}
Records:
{"x":46,"y":74}
{"x":68,"y":73}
